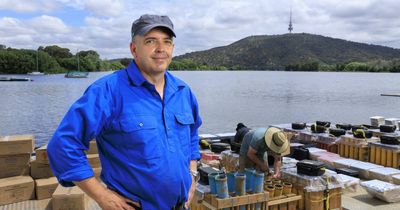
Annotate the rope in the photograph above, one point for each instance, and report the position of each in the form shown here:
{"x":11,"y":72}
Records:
{"x":362,"y":132}
{"x":323,"y":199}
{"x":327,"y":192}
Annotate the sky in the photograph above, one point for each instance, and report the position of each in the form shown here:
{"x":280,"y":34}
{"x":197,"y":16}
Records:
{"x":104,"y":25}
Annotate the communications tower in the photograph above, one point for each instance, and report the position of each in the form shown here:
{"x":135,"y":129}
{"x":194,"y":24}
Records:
{"x":290,"y":22}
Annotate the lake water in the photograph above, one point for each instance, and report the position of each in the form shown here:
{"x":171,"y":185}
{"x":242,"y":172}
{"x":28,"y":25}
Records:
{"x":256,"y":98}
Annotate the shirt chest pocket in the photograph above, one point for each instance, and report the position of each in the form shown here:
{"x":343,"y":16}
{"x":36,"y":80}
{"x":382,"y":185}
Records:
{"x":140,"y":136}
{"x":183,"y":122}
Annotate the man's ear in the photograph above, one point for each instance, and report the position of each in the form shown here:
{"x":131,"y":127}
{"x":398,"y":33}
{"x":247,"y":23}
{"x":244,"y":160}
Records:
{"x":132,"y":47}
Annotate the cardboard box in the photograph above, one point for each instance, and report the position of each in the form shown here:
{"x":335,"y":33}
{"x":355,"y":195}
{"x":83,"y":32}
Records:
{"x":41,"y":154}
{"x":40,"y":170}
{"x":68,"y":198}
{"x":92,"y":147}
{"x":16,"y":189}
{"x":94,"y":160}
{"x":18,"y":144}
{"x":14,"y":165}
{"x":45,"y":187}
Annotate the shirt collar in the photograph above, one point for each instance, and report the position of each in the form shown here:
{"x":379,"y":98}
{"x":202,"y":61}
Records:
{"x":137,"y":79}
{"x":135,"y":76}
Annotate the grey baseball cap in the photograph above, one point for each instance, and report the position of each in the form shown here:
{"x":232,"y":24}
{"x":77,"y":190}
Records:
{"x":147,"y":22}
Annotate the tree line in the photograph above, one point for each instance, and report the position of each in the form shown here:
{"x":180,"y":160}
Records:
{"x":355,"y":66}
{"x":52,"y":59}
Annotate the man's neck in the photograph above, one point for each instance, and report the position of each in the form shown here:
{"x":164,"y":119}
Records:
{"x":158,"y":80}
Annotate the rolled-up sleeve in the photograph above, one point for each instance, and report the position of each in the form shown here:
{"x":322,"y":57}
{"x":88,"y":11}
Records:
{"x":82,"y":123}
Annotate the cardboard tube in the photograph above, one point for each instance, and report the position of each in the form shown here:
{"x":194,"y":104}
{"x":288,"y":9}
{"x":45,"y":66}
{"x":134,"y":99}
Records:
{"x":378,"y":156}
{"x":271,"y":191}
{"x":389,"y":158}
{"x":351,"y":152}
{"x":383,"y":156}
{"x":363,"y":153}
{"x":315,"y":200}
{"x":278,"y":190}
{"x":346,"y":150}
{"x":395,"y":160}
{"x":357,"y":151}
{"x":372,"y":152}
{"x":287,"y":188}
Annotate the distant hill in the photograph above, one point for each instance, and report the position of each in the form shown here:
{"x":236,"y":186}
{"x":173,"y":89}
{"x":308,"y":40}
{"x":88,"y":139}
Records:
{"x":279,"y":51}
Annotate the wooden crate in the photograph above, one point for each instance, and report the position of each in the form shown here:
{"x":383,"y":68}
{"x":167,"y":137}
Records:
{"x":332,"y":147}
{"x":385,"y":155}
{"x":354,"y":148}
{"x":231,"y":203}
{"x":284,"y":202}
{"x":318,"y":200}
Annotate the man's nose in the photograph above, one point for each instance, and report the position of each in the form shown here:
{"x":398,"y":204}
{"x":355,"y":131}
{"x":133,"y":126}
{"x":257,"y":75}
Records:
{"x":160,"y":47}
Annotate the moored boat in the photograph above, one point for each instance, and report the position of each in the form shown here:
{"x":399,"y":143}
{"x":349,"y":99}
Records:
{"x":76,"y":74}
{"x":15,"y":79}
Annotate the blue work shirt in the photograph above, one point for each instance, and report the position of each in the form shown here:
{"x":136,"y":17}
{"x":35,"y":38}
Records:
{"x":145,"y":143}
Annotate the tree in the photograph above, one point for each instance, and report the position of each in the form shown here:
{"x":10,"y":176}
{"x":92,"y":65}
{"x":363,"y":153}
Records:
{"x":57,"y":52}
{"x":125,"y":61}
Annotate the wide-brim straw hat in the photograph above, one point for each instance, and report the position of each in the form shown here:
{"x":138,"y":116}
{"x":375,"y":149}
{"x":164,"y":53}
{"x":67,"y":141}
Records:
{"x":276,"y":140}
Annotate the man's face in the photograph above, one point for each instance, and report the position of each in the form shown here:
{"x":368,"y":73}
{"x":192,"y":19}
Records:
{"x":153,"y":51}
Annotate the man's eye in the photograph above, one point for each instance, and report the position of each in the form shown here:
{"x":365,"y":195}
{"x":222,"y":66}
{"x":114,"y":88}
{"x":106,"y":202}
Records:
{"x":168,"y":42}
{"x":150,"y":41}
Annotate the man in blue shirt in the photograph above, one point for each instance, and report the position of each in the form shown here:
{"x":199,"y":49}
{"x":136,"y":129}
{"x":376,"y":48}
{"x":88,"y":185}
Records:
{"x":145,"y":122}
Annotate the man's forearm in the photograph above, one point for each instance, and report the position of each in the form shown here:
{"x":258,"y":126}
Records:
{"x":92,"y":187}
{"x":277,"y":165}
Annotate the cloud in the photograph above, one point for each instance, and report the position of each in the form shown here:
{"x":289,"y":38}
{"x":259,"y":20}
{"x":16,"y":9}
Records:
{"x":28,"y":5}
{"x":47,"y":25}
{"x":103,"y":8}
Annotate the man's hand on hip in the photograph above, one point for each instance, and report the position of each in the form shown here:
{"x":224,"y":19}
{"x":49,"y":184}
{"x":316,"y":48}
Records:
{"x":113,"y":201}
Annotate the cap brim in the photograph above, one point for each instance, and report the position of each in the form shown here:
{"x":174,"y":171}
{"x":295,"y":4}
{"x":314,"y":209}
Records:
{"x":145,"y":30}
{"x":268,"y":140}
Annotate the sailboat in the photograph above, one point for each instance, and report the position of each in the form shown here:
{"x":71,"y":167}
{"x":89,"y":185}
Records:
{"x":76,"y":74}
{"x":37,"y":72}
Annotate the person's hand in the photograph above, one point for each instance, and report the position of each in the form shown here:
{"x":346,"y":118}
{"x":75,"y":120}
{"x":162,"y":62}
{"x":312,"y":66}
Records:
{"x":276,"y":175}
{"x":113,"y":201}
{"x":191,"y":194}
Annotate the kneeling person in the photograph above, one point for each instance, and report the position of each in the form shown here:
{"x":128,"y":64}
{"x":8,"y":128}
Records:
{"x":257,"y":144}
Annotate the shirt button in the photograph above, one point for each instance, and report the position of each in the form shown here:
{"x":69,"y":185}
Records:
{"x":168,"y":128}
{"x":141,"y":124}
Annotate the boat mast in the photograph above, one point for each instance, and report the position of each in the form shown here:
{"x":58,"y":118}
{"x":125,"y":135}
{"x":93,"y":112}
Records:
{"x":77,"y":54}
{"x":37,"y":60}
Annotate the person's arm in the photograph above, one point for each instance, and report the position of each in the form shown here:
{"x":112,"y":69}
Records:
{"x":193,"y":167}
{"x":107,"y":199}
{"x":83,"y":121}
{"x":252,"y":154}
{"x":194,"y":146}
{"x":277,"y":166}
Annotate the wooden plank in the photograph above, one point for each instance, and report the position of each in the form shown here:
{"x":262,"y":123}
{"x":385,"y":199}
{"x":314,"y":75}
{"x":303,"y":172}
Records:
{"x":284,"y":200}
{"x":217,"y":203}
